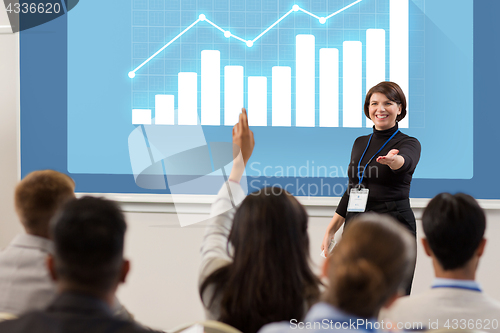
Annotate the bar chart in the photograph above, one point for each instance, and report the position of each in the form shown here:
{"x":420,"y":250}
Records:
{"x":168,"y":88}
{"x":269,"y":99}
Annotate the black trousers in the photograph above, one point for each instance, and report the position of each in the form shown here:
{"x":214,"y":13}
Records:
{"x":399,"y":210}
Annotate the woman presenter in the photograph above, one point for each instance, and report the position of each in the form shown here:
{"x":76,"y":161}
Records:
{"x":382,"y":165}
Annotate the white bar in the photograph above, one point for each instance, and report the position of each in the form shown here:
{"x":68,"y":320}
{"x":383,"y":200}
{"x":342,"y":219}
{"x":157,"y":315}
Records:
{"x":329,"y":88}
{"x":233,"y":94}
{"x":375,"y":57}
{"x":353,"y":84}
{"x":187,"y":112}
{"x":282,"y":96}
{"x":375,"y":60}
{"x":141,"y":117}
{"x":164,"y":110}
{"x":210,"y":87}
{"x":257,"y":101}
{"x":305,"y":81}
{"x":399,"y":49}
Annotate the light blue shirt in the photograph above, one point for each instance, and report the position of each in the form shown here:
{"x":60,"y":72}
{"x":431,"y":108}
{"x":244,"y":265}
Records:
{"x":454,"y":283}
{"x":324,"y":317}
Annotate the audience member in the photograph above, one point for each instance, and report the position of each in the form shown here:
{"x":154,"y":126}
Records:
{"x":88,"y":266}
{"x":454,"y":228}
{"x":368,"y":269}
{"x":25,"y":282}
{"x":255,"y":258}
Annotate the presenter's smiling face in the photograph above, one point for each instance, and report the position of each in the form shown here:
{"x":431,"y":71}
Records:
{"x":383,"y":112}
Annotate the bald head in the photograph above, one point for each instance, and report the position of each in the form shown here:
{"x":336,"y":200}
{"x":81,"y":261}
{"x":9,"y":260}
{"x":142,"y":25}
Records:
{"x":39,"y":196}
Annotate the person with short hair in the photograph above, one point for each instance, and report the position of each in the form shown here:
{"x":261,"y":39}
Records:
{"x":25,"y":282}
{"x":382,"y":165}
{"x":367,"y":270}
{"x":255,"y":265}
{"x":454,"y":227}
{"x":88,"y":266}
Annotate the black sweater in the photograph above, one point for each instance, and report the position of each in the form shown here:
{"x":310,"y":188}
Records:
{"x":384,"y":183}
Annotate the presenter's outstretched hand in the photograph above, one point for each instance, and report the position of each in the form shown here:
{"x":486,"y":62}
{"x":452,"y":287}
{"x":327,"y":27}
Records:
{"x":243,"y":144}
{"x":392,"y":159}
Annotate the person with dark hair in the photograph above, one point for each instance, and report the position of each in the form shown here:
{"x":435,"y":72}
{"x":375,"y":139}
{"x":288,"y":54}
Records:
{"x":366,"y":271}
{"x":88,"y":266}
{"x":454,"y":227}
{"x":25,"y":282}
{"x":255,"y":255}
{"x":381,"y":167}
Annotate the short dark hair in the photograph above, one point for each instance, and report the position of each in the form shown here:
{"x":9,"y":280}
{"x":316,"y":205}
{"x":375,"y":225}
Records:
{"x":88,"y":236}
{"x":38,"y":197}
{"x":392,"y":91}
{"x":454,"y":227}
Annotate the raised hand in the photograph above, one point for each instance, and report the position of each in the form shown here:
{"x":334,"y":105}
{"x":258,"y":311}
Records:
{"x":243,"y":136}
{"x":392,"y":159}
{"x":243,"y":144}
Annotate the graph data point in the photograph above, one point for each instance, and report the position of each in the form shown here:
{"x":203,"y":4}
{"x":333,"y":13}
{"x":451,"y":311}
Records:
{"x":249,"y":43}
{"x":131,"y":75}
{"x":295,"y":8}
{"x":202,"y":17}
{"x":322,"y":20}
{"x":227,"y":34}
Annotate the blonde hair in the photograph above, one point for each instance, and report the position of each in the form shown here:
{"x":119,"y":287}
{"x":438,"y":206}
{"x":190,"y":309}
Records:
{"x":371,"y":263}
{"x":39,"y":196}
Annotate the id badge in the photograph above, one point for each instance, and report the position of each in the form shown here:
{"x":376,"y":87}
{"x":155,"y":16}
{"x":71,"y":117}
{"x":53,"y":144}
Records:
{"x":357,"y":200}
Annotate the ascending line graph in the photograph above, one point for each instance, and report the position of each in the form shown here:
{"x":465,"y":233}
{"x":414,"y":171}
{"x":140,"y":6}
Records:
{"x":345,"y":69}
{"x":228,"y":34}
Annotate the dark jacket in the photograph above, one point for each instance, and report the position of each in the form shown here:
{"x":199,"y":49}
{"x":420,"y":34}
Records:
{"x":71,"y":313}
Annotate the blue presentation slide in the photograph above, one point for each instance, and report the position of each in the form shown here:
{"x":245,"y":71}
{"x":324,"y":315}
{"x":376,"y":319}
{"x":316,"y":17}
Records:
{"x":169,"y":76}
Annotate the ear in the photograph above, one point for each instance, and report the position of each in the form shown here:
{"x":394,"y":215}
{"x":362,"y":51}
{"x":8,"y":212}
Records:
{"x":49,"y":261}
{"x":427,"y":248}
{"x":124,"y":271}
{"x":324,"y":270}
{"x":480,"y":248}
{"x":400,"y":107}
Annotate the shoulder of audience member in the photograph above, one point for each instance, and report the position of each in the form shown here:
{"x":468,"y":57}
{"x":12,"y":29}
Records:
{"x":404,"y":306}
{"x":36,"y":321}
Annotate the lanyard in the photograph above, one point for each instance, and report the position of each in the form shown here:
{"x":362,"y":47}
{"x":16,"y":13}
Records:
{"x":457,"y":287}
{"x":369,"y":140}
